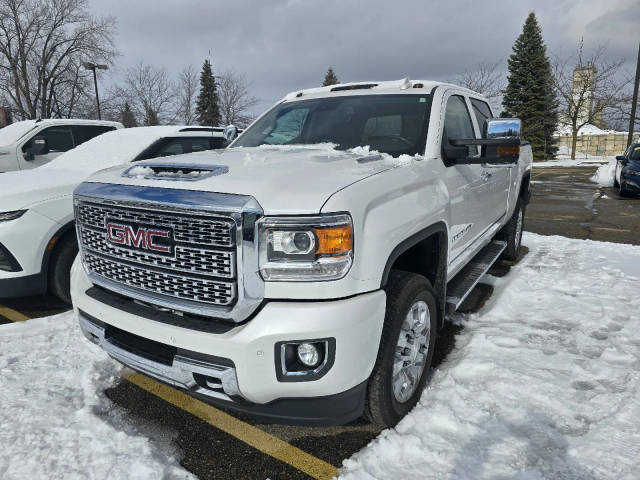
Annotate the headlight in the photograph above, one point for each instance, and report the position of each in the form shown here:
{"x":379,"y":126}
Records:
{"x":306,"y":249}
{"x":631,"y":172}
{"x":6,"y":216}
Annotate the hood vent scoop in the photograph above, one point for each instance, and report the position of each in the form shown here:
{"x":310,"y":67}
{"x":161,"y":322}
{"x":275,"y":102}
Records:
{"x":176,"y":172}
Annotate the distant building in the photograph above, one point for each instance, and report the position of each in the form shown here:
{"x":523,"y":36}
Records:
{"x":583,"y":91}
{"x":5,"y":116}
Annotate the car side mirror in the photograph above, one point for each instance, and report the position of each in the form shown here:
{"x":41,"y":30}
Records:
{"x":500,"y":145}
{"x":40,"y":146}
{"x":230,"y":133}
{"x":621,"y":158}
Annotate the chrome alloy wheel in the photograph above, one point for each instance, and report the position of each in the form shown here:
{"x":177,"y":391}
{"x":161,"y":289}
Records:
{"x":411,"y":351}
{"x":519,"y":229}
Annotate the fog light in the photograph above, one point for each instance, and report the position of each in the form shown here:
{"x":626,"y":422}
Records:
{"x":308,"y":354}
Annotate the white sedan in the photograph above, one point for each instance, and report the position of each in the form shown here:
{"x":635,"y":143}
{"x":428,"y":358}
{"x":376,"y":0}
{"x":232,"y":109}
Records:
{"x":37,"y":236}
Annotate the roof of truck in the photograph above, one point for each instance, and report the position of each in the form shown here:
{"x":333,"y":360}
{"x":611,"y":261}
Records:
{"x":393,"y":86}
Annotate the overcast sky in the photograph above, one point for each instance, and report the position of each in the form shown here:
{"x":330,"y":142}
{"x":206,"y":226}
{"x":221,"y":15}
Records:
{"x":285,"y":45}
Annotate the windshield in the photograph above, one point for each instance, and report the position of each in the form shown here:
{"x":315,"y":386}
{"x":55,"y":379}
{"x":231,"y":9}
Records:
{"x":393,"y":124}
{"x":12,"y":133}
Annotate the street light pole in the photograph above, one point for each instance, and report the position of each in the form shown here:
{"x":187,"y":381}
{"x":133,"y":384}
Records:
{"x":634,"y":102}
{"x":92,"y":67}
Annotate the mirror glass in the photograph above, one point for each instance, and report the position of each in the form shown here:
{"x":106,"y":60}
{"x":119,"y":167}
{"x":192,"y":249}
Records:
{"x":503,"y":128}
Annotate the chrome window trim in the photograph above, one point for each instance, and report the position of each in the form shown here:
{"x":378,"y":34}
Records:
{"x":245,"y":212}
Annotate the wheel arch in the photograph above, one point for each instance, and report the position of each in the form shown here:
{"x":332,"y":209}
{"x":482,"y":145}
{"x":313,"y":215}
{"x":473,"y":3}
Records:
{"x":424,"y":253}
{"x":54,"y":242}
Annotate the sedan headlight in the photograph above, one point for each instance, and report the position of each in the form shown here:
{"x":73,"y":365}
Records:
{"x":306,"y":249}
{"x":631,"y":172}
{"x":6,"y":216}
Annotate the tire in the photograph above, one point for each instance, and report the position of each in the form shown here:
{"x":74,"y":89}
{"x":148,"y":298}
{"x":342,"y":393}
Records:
{"x":621,"y":190}
{"x":386,"y":405}
{"x":60,"y":268}
{"x":512,"y":232}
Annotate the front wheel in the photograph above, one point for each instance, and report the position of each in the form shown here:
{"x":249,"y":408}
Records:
{"x":406,"y":349}
{"x":60,"y":268}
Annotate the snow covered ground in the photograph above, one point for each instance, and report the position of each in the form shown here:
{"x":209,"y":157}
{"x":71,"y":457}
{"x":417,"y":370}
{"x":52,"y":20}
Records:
{"x":55,"y":421}
{"x":605,"y":174}
{"x":543,"y":382}
{"x":563,"y":159}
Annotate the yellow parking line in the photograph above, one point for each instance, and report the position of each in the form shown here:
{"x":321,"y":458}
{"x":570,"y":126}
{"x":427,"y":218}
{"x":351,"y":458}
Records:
{"x":12,"y":315}
{"x":249,"y":434}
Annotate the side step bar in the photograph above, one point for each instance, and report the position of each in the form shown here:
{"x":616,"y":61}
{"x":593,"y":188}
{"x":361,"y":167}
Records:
{"x":461,"y":285}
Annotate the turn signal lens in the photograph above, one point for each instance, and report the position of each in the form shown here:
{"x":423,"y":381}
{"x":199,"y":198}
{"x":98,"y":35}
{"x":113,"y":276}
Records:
{"x":504,"y":150}
{"x":334,"y":240}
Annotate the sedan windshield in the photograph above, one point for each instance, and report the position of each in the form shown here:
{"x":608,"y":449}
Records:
{"x":393,"y":124}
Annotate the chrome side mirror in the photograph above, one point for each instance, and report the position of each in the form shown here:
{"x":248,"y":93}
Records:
{"x":230,"y":133}
{"x":503,"y":128}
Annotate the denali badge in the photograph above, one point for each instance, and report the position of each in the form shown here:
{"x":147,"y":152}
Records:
{"x":144,"y":238}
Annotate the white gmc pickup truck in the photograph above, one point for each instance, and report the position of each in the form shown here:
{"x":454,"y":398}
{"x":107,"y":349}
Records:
{"x":302,"y":274}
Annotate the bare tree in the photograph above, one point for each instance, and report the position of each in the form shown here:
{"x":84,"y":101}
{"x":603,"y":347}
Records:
{"x":150,"y":92}
{"x":42,"y":43}
{"x":186,"y":95}
{"x":234,"y":99}
{"x":589,"y":89}
{"x":485,"y":78}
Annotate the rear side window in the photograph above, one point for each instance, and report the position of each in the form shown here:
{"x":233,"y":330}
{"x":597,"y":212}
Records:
{"x":59,"y":139}
{"x":482,"y":112}
{"x":82,"y":133}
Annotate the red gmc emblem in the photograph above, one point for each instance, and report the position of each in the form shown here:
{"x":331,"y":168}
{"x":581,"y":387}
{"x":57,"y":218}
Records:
{"x":142,"y":237}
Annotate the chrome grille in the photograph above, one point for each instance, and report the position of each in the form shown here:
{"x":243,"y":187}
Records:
{"x":187,"y":259}
{"x":201,"y":267}
{"x":217,"y":232}
{"x":195,"y":289}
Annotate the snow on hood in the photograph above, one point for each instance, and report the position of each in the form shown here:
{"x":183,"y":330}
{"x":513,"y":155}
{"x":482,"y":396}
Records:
{"x":12,"y":133}
{"x":109,"y":149}
{"x":280,"y":178}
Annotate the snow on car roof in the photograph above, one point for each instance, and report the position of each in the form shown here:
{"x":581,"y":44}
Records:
{"x":119,"y":146}
{"x":12,"y":133}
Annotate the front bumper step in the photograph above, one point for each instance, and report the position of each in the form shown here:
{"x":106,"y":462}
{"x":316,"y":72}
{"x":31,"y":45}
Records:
{"x":175,"y":368}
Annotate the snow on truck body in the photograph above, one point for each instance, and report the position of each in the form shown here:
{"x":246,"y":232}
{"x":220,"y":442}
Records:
{"x":268,"y":277}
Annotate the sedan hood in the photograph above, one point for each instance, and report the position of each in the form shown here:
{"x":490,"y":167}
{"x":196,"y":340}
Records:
{"x":22,"y":189}
{"x":283,"y":179}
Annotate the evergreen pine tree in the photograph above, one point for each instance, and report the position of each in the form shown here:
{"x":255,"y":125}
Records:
{"x":529,"y":94}
{"x":207,"y":108}
{"x":127,"y":118}
{"x":330,"y":78}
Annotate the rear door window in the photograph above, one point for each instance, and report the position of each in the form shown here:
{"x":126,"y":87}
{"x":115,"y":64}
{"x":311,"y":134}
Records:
{"x":482,"y":112}
{"x":83,"y":133}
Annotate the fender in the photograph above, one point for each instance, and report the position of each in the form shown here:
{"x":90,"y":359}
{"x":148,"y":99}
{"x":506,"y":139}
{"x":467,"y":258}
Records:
{"x":440,"y":230}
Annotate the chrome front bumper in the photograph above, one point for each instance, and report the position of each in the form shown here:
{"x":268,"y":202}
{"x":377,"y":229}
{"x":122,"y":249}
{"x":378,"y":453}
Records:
{"x":217,"y":381}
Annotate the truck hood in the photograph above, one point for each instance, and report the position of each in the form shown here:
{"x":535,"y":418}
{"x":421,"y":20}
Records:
{"x":25,"y":188}
{"x":283,"y":179}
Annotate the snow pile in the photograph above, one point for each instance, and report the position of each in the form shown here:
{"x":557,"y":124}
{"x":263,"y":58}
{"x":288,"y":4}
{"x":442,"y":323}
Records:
{"x":55,"y":421}
{"x":563,"y":159}
{"x":587,"y":129}
{"x":605,"y":174}
{"x":543,"y":382}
